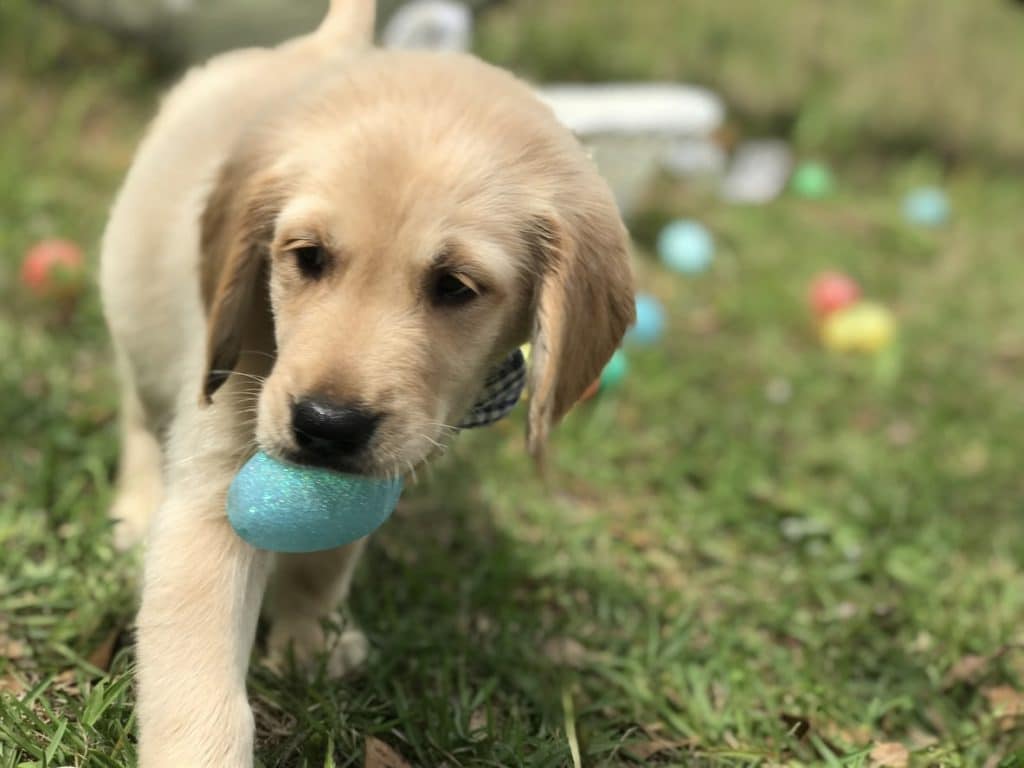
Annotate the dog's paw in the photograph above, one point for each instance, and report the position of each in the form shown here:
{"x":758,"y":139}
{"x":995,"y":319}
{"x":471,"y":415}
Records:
{"x":348,"y":653}
{"x":305,"y":642}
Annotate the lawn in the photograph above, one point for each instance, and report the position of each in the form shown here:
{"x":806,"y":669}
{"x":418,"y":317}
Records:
{"x":756,"y":552}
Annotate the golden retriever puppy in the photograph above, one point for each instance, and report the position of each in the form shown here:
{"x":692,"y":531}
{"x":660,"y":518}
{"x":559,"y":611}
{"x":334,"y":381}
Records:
{"x":324,"y":234}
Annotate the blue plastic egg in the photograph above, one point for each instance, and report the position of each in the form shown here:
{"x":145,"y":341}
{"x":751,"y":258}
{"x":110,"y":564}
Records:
{"x":686,"y":246}
{"x":290,"y":508}
{"x":926,"y":207}
{"x":650,"y":321}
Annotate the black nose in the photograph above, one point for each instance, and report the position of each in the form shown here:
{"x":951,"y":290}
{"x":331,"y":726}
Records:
{"x":331,"y":430}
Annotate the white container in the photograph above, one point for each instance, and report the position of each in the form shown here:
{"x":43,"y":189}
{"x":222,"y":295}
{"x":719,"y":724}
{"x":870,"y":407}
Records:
{"x":437,"y":25}
{"x":630,"y":127}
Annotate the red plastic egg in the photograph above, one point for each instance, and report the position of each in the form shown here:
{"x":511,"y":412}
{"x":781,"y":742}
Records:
{"x":52,"y":268}
{"x":832,"y":291}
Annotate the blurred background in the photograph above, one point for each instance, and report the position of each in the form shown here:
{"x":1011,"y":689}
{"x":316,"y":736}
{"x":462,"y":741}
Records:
{"x":785,"y":526}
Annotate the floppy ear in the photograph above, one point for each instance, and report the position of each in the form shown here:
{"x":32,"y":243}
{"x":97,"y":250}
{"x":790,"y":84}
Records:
{"x":235,"y":232}
{"x":584,"y":304}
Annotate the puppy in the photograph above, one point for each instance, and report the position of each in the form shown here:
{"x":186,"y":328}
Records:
{"x":324,"y":231}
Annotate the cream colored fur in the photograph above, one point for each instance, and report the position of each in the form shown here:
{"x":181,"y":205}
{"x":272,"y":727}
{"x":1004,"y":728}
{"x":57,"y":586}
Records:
{"x":387,"y":160}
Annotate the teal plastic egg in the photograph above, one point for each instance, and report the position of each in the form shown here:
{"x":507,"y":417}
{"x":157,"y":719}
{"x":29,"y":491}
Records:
{"x":926,"y":207}
{"x":615,"y":371}
{"x":686,"y":246}
{"x":650,"y":321}
{"x":289,"y":508}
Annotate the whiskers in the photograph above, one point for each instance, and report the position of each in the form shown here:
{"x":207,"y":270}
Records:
{"x":272,"y":358}
{"x":445,"y":435}
{"x":252,"y":376}
{"x":397,"y":463}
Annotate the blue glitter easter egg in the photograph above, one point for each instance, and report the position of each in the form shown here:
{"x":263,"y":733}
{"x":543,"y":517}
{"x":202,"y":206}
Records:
{"x":926,"y":207}
{"x":686,"y":246}
{"x":290,"y":508}
{"x":650,"y":321}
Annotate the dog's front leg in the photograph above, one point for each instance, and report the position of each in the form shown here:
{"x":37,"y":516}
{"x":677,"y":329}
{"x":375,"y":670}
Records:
{"x":200,"y":603}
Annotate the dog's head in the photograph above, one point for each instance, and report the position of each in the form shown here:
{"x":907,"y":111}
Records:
{"x":402,"y":227}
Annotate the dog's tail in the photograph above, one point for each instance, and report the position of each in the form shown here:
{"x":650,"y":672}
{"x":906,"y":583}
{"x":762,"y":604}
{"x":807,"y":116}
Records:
{"x":348,"y":22}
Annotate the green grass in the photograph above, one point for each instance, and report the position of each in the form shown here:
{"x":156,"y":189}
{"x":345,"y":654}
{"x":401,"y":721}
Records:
{"x":715,"y":574}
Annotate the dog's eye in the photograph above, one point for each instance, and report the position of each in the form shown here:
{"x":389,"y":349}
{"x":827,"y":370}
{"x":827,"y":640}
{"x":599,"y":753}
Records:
{"x":451,"y":291}
{"x":311,"y":260}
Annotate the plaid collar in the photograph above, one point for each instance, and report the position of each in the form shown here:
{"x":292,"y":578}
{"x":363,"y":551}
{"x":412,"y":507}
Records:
{"x":500,"y":394}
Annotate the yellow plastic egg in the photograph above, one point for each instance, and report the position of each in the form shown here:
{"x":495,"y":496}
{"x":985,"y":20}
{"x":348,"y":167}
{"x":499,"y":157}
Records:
{"x":863,"y":327}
